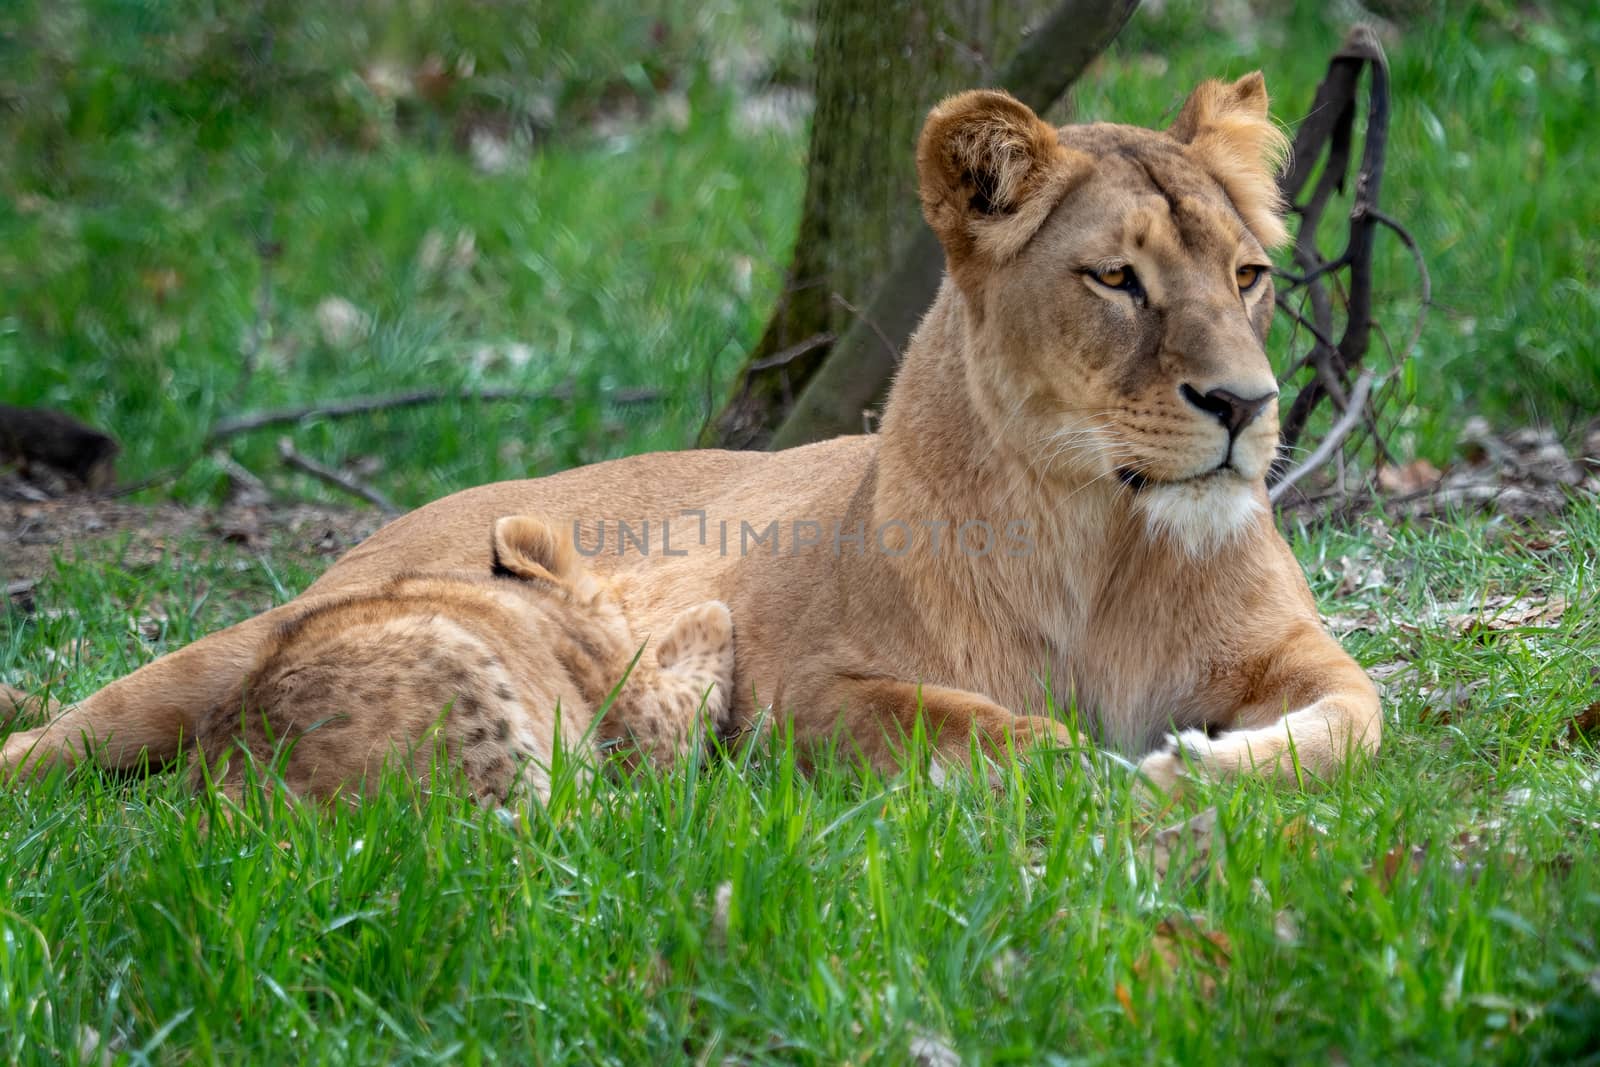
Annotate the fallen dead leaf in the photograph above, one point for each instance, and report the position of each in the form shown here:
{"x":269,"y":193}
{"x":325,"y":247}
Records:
{"x":1343,"y":625}
{"x":386,"y":80}
{"x":1006,"y":971}
{"x":1534,"y":540}
{"x":1466,"y":853}
{"x":1301,"y":829}
{"x":1585,"y":722}
{"x":1418,"y":476}
{"x":1183,"y":945}
{"x":239,"y":528}
{"x":20,"y":594}
{"x":161,"y":283}
{"x":1188,"y":843}
{"x":929,"y":1051}
{"x":152,"y":623}
{"x":1383,"y":672}
{"x":721,"y":907}
{"x":1401,"y":859}
{"x":1285,"y":927}
{"x":91,"y":1049}
{"x":1357,"y":575}
{"x":341,"y":323}
{"x":1388,"y":676}
{"x":1445,"y":704}
{"x":1497,"y":614}
{"x":1125,"y":999}
{"x":433,"y":79}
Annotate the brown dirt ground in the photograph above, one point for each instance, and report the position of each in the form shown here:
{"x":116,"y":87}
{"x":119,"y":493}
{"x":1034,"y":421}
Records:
{"x":33,"y":533}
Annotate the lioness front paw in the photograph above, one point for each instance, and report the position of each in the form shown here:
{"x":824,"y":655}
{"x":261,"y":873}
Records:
{"x":1036,"y":731}
{"x":1175,"y":758}
{"x":703,"y":631}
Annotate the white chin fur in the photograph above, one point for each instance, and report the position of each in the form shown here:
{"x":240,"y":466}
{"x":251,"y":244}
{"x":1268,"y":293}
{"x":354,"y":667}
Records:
{"x":1202,"y":516}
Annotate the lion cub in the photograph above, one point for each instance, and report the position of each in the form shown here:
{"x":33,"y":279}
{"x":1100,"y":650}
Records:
{"x":491,"y":667}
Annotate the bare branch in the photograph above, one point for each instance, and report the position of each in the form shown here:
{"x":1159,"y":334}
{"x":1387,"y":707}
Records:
{"x":362,"y":405}
{"x":1061,"y":47}
{"x":793,"y":352}
{"x":1353,"y":413}
{"x":861,"y":316}
{"x":1298,"y":280}
{"x":1326,"y":137}
{"x":334,"y":478}
{"x":1423,"y":276}
{"x":244,"y":487}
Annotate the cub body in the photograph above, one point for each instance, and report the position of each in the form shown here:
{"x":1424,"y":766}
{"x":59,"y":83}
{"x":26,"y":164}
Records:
{"x":490,"y":671}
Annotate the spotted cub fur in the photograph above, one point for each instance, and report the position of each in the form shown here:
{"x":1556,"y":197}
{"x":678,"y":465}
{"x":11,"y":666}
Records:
{"x":492,"y":667}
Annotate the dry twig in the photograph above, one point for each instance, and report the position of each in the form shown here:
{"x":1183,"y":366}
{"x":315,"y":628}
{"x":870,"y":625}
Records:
{"x":1354,"y":412}
{"x":334,"y":478}
{"x":792,"y":353}
{"x":362,"y":405}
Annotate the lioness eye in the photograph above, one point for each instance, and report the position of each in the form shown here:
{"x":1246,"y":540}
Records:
{"x":1248,"y":277}
{"x":1117,"y":278}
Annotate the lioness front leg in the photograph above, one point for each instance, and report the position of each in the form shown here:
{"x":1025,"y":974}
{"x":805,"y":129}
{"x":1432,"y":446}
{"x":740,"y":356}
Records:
{"x":876,"y":717}
{"x":147,"y":714}
{"x":1312,"y":710}
{"x":658,"y":715}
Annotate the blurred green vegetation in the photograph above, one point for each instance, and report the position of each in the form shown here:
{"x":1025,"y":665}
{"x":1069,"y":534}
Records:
{"x":584,"y":197}
{"x":392,"y":195}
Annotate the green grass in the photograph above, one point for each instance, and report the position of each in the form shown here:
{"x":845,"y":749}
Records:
{"x":1439,"y":904}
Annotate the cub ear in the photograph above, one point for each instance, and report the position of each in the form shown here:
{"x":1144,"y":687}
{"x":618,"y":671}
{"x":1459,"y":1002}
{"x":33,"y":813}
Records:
{"x":530,"y":548}
{"x":1226,"y":125}
{"x":989,"y":171}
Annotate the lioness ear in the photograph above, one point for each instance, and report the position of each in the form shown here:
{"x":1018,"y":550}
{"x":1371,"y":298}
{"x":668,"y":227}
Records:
{"x":989,"y":170}
{"x":530,"y":548}
{"x":1227,"y":126}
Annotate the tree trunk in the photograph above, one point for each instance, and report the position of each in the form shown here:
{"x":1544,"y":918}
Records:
{"x":879,"y":68}
{"x":855,"y":375}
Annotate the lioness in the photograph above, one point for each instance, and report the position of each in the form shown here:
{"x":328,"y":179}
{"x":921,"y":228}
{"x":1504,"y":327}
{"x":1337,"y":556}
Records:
{"x":1088,"y":397}
{"x":490,"y":667}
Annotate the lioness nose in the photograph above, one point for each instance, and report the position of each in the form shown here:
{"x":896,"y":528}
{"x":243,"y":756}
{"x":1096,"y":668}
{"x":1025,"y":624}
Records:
{"x":1232,"y":410}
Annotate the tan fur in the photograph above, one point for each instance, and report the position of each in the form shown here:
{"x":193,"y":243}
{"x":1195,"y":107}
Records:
{"x":14,"y":702}
{"x":1155,"y":596}
{"x":1230,"y":134}
{"x":489,"y":673}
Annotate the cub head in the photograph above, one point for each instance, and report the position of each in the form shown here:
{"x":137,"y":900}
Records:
{"x":1117,"y":291}
{"x":531,"y":549}
{"x":526,"y":547}
{"x":544,"y":560}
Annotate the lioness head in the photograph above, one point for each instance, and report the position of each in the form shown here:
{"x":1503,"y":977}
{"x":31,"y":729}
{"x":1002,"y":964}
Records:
{"x":1117,"y":292}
